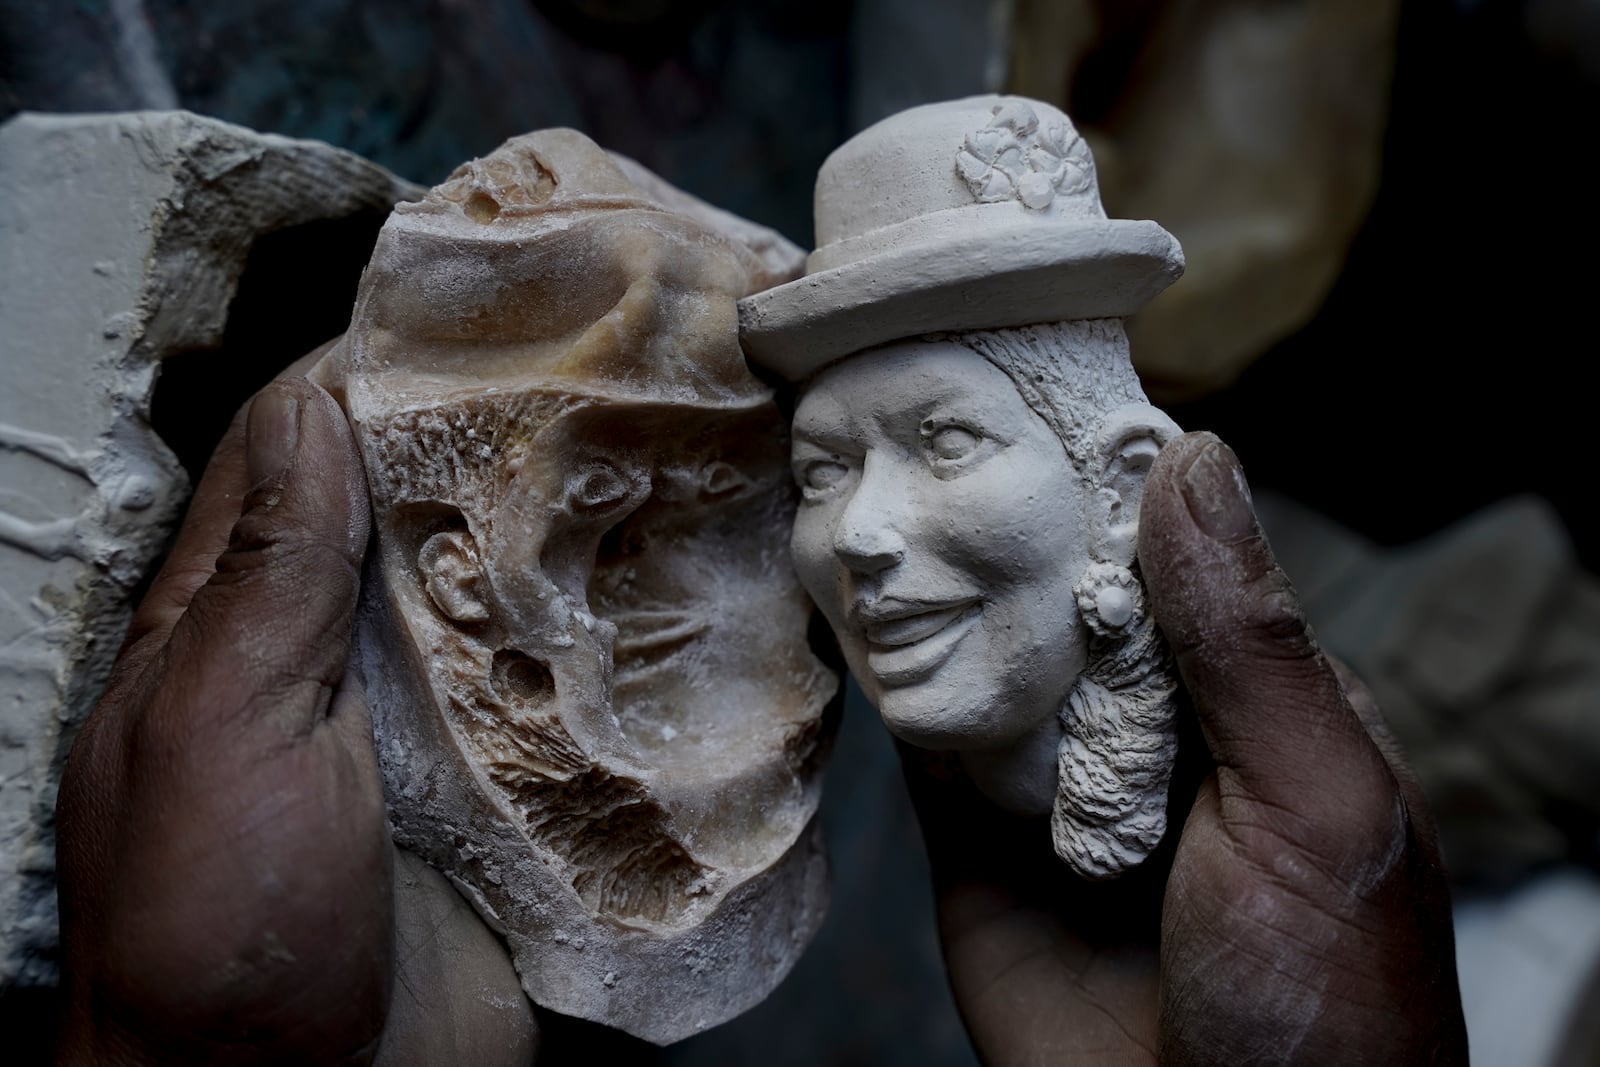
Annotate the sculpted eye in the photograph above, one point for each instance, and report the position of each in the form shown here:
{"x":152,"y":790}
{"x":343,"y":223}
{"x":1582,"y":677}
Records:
{"x":950,"y":442}
{"x":822,"y":474}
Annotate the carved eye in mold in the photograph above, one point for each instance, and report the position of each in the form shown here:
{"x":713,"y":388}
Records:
{"x":600,"y":486}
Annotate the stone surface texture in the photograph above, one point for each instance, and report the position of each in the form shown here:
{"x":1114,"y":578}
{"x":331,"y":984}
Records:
{"x":971,"y":443}
{"x":585,"y":648}
{"x":121,"y":240}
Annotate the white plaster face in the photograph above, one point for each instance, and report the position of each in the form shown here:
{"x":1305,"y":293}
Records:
{"x":941,"y":529}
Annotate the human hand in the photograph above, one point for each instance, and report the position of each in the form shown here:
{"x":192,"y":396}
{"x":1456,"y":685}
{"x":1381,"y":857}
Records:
{"x":1300,"y":916}
{"x":227,"y":883}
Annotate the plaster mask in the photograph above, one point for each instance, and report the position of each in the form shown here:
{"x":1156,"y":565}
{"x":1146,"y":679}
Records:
{"x":941,"y":531}
{"x":586,"y":652}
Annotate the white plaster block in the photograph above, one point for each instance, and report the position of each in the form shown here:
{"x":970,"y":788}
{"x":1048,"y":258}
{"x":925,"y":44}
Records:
{"x":122,"y":240}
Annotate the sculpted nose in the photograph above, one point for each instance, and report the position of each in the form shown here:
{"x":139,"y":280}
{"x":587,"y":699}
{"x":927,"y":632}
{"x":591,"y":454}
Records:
{"x":865,"y":539}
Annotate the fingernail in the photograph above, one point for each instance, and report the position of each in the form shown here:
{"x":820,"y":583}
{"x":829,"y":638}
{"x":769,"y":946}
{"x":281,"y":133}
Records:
{"x":272,"y":433}
{"x":1217,"y":494}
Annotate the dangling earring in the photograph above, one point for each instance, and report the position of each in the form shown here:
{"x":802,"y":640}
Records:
{"x":1110,"y":599}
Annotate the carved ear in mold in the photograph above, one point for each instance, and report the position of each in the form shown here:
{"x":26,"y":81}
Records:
{"x":1127,"y":445}
{"x":453,"y":576}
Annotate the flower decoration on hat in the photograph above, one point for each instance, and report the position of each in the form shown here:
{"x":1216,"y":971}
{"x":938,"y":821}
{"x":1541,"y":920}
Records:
{"x":1016,"y":157}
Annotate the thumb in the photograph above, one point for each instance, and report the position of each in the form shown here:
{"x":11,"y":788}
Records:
{"x":1274,"y":713}
{"x":271,"y":627}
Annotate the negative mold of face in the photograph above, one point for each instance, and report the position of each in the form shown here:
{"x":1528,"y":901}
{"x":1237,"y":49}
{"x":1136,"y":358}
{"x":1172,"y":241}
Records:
{"x":596,"y":708}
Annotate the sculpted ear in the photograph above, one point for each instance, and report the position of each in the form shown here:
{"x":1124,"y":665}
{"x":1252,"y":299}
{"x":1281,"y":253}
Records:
{"x":1126,"y":447}
{"x":453,"y":576}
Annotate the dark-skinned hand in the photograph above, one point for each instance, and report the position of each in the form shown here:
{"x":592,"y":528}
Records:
{"x":1298,"y":913}
{"x":229,"y":893}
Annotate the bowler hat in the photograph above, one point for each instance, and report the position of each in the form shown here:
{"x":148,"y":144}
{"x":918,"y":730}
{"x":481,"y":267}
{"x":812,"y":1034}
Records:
{"x":965,"y":215}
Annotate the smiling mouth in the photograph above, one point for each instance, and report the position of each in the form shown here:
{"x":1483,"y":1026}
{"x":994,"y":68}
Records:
{"x":910,"y":647}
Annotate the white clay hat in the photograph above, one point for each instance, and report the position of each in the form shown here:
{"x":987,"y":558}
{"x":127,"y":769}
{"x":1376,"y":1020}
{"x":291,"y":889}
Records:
{"x":965,"y":215}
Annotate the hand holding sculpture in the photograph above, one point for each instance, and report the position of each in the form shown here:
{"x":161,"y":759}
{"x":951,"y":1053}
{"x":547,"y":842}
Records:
{"x":1303,"y":915}
{"x":225,"y":870}
{"x":985,"y":492}
{"x":595,"y":707}
{"x":229,"y":892}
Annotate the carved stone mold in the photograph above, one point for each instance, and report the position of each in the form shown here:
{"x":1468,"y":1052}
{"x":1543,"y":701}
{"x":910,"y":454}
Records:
{"x":596,"y":708}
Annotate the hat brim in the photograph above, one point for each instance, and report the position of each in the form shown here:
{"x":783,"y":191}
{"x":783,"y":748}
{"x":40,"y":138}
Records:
{"x":1012,"y":274}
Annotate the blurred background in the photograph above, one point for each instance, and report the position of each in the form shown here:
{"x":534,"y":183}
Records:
{"x":1390,"y":220}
